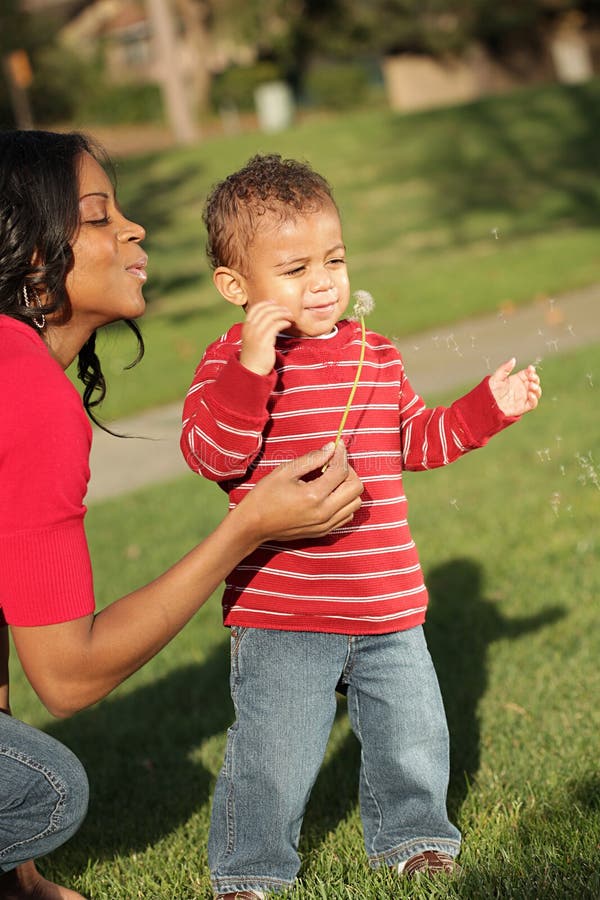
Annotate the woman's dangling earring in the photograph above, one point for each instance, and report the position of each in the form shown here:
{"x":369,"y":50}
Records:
{"x":40,"y":320}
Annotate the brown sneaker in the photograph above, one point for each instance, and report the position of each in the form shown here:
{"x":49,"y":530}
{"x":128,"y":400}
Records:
{"x":430,"y":863}
{"x":240,"y":895}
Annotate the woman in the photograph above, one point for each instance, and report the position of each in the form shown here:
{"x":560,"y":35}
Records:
{"x":70,"y":262}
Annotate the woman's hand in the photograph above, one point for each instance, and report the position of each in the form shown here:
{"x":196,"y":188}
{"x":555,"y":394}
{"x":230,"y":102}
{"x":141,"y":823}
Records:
{"x":287,"y":508}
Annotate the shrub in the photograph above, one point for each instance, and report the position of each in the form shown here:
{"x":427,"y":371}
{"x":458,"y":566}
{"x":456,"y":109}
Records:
{"x":67,"y":87}
{"x":236,"y":86}
{"x":114,"y":104}
{"x":336,"y":85}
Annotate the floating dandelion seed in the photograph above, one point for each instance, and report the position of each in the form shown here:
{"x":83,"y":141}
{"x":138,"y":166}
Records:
{"x":552,"y":345}
{"x":590,"y":379}
{"x":488,"y":363}
{"x":454,"y":503}
{"x":588,"y":475}
{"x":555,"y":503}
{"x":452,"y":345}
{"x":363,"y":305}
{"x":496,"y":233}
{"x":563,"y":471}
{"x":570,"y":330}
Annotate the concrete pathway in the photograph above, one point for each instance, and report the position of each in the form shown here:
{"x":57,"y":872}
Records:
{"x":442,"y":359}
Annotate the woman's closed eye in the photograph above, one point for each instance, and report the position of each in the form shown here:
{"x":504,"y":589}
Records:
{"x":105,"y":220}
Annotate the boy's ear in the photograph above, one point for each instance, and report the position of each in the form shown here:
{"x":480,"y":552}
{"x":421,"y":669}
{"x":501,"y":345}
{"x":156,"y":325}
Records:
{"x":231,"y":285}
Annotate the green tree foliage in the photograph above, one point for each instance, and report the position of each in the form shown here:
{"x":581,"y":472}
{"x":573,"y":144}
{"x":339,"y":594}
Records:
{"x":347,"y":27}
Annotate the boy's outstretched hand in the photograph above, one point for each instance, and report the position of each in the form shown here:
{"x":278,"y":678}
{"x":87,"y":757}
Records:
{"x":515,"y":394}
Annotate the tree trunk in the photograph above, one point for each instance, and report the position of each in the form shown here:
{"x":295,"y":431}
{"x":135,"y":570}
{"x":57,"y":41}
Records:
{"x":196,"y":17}
{"x":170,"y":73}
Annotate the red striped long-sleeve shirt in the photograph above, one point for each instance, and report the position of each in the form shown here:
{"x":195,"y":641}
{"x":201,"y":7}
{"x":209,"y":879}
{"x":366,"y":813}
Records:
{"x":237,"y":426}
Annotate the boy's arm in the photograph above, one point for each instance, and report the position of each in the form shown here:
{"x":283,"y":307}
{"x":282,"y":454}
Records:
{"x":225,"y":411}
{"x":436,"y":437}
{"x":4,"y":704}
{"x":224,"y":416}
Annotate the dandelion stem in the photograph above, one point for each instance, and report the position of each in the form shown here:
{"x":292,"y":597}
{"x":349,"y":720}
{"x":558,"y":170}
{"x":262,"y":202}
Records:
{"x":355,"y":385}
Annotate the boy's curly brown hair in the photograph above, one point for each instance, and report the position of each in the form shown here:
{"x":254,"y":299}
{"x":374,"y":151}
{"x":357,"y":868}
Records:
{"x":267,"y":184}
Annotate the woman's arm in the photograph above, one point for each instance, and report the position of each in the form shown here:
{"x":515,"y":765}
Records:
{"x":73,"y":664}
{"x":4,"y":703}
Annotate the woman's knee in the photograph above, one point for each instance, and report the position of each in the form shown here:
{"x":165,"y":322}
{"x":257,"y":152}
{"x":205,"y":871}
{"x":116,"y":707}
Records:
{"x":75,"y":791}
{"x":44,"y":795}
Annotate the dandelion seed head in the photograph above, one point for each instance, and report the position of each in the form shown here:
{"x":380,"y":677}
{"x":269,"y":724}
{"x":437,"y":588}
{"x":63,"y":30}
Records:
{"x":363,"y":304}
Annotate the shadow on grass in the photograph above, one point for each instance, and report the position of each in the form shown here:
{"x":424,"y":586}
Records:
{"x":138,"y":749}
{"x":138,"y":752}
{"x":461,"y":625}
{"x":154,"y":204}
{"x":534,"y":170}
{"x":551,"y":849}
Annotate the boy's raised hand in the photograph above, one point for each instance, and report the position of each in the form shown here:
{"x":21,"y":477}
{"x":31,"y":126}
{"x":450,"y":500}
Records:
{"x":263,"y":322}
{"x":515,"y":394}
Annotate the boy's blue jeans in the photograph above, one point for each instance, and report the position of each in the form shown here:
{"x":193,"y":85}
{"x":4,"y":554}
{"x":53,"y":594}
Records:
{"x":283,"y":688}
{"x":43,"y":793}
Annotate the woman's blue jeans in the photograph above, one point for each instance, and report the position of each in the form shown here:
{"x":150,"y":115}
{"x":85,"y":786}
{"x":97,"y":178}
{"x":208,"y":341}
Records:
{"x":283,"y":687}
{"x":43,"y":793}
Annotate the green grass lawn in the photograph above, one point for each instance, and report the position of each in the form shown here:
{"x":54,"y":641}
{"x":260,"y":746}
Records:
{"x":447,"y":214}
{"x":509,"y":542}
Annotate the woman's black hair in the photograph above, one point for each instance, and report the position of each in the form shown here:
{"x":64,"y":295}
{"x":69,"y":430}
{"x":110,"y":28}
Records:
{"x":39,"y":219}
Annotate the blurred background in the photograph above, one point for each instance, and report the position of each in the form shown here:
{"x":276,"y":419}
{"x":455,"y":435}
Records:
{"x":184,"y":68}
{"x":462,"y":143}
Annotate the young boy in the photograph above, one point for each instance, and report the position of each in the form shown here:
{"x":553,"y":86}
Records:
{"x":345,"y":611}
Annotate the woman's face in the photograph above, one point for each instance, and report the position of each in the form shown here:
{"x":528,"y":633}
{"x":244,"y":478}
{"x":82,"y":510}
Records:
{"x":109,"y":269}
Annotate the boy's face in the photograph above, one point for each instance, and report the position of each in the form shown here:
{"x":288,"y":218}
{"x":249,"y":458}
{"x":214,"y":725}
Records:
{"x":301,"y":264}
